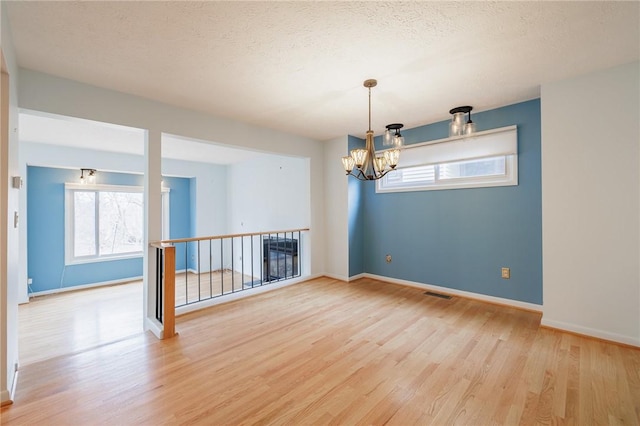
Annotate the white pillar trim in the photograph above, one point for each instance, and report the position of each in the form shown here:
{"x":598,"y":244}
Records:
{"x":153,"y":224}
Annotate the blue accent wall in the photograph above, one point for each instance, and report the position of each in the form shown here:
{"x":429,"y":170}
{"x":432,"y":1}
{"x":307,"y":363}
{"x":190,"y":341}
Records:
{"x":460,"y":238}
{"x":181,"y":203}
{"x":189,"y":258}
{"x":46,"y":229}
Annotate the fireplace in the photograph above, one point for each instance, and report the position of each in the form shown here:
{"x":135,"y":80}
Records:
{"x":280,"y":258}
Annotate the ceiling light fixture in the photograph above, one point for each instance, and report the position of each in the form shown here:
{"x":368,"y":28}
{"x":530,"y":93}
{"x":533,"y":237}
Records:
{"x":458,"y":127}
{"x":90,"y":178}
{"x":367,"y":165}
{"x":396,"y":139}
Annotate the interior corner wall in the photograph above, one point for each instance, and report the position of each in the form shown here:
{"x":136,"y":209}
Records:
{"x":336,"y":209}
{"x":591,"y":201}
{"x":209,"y":219}
{"x":47,"y":93}
{"x":208,"y":188}
{"x":355,"y":219}
{"x":45,"y":188}
{"x":208,"y":199}
{"x":10,"y":206}
{"x":461,"y":238}
{"x":270,"y":193}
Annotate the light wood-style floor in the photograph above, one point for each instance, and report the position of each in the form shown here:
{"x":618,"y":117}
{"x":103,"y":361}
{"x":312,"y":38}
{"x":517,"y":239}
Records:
{"x":76,"y":321}
{"x":328,"y":352}
{"x":193,"y":287}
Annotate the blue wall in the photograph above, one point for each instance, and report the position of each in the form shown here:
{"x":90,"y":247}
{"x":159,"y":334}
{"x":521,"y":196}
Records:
{"x":46,"y":222}
{"x":181,"y":206}
{"x":460,"y":238}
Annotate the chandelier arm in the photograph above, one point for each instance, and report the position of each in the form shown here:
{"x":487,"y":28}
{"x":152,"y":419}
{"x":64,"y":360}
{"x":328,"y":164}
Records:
{"x":359,"y":176}
{"x":362,"y":177}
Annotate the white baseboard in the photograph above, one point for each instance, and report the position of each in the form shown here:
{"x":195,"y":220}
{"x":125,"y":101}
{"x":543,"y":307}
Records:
{"x":591,"y":332}
{"x":363,"y":275}
{"x":559,"y":325}
{"x":7,"y":395}
{"x":469,"y":295}
{"x":242,"y":294}
{"x":5,"y":398}
{"x":154,"y":326}
{"x":337,"y":277}
{"x":84,"y":286}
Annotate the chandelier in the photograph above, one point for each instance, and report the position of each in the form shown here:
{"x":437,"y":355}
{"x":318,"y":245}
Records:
{"x":363,"y":163}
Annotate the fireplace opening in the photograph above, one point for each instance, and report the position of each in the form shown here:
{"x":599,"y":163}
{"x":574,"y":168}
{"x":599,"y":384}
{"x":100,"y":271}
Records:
{"x":280,"y":258}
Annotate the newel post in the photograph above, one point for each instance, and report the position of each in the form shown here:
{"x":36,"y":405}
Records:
{"x":169,"y":293}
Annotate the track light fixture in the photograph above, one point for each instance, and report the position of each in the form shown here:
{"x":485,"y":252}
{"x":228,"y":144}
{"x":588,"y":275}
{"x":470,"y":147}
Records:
{"x":90,"y":176}
{"x":457,"y":126}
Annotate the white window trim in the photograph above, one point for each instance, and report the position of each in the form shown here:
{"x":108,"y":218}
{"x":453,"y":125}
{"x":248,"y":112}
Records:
{"x":490,"y":143}
{"x":70,"y":188}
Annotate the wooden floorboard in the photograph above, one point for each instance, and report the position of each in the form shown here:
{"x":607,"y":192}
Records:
{"x":64,"y":323}
{"x":328,"y":352}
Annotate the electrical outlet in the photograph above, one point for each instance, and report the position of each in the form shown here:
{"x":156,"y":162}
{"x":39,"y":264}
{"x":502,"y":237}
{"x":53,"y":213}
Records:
{"x":506,"y":273}
{"x":388,"y":258}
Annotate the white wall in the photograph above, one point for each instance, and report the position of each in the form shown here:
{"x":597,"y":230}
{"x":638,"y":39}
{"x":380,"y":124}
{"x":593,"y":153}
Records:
{"x":590,"y":204}
{"x":9,"y":203}
{"x":336,"y":209}
{"x":210,"y":215}
{"x":269,"y":194}
{"x":211,"y":194}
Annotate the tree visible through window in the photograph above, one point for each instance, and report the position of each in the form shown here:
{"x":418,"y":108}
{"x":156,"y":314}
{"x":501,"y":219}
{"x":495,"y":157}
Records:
{"x":107,"y":223}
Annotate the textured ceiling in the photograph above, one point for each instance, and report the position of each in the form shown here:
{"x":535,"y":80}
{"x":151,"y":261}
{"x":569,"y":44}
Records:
{"x":299,"y":66}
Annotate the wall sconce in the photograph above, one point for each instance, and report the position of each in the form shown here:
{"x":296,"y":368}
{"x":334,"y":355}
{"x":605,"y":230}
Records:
{"x":90,"y":178}
{"x":458,"y":127}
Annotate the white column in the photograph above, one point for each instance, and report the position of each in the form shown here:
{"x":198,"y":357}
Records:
{"x":4,"y":226}
{"x":153,"y":222}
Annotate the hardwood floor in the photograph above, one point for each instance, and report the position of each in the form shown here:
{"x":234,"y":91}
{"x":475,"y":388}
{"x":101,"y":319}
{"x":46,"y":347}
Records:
{"x":192,"y":287}
{"x":327,"y":352}
{"x":64,"y":323}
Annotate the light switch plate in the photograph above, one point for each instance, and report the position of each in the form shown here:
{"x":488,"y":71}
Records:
{"x":506,"y":273}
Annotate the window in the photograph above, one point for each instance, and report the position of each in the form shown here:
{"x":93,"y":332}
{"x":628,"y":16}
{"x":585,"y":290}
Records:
{"x":483,"y":160}
{"x":105,"y":222}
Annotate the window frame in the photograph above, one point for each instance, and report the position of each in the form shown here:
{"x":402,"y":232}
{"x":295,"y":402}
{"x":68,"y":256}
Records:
{"x":480,"y":146}
{"x":69,"y":230}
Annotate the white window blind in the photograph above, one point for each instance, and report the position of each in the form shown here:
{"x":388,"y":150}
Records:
{"x":485,"y":159}
{"x":490,"y":143}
